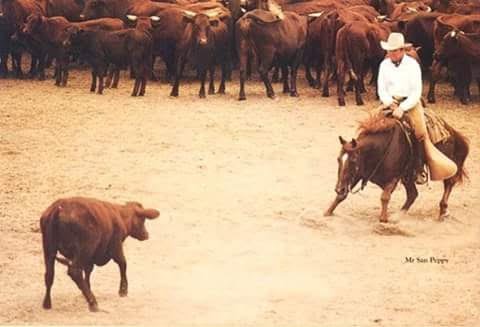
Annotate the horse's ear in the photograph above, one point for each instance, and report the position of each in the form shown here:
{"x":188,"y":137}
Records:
{"x":354,"y":143}
{"x":342,"y":141}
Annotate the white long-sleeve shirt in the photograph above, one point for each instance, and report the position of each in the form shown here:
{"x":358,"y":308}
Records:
{"x":402,"y":81}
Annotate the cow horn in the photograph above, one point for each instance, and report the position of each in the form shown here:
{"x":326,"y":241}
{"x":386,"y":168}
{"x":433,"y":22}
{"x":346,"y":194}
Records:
{"x":189,"y":14}
{"x":155,"y":18}
{"x":132,"y":17}
{"x":429,"y":9}
{"x":453,"y":33}
{"x":212,"y":13}
{"x":411,"y":10}
{"x":381,"y":18}
{"x":315,"y":14}
{"x":461,"y":32}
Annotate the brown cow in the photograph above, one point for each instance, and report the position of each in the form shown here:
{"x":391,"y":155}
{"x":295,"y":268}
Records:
{"x":205,"y":42}
{"x":396,"y":10}
{"x":459,"y":7}
{"x":358,"y":47}
{"x":89,"y":232}
{"x":458,"y":45}
{"x":461,"y":68}
{"x":331,"y":23}
{"x":269,"y":36}
{"x":70,"y":9}
{"x":419,"y":31}
{"x":118,"y":49}
{"x":53,"y":35}
{"x":15,"y":13}
{"x":120,"y":8}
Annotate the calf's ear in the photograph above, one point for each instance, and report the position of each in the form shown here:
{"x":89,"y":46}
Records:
{"x":148,"y":213}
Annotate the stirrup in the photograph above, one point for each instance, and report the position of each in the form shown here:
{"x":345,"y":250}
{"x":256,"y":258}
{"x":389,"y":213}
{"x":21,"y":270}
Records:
{"x":421,"y":178}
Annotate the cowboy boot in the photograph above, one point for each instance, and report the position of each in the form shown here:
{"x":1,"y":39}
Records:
{"x":421,"y":176}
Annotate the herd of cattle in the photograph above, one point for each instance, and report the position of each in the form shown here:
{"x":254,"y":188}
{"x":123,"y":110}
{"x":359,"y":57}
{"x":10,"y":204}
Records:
{"x":338,"y":38}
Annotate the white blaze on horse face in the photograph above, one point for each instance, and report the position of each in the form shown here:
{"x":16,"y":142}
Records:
{"x":341,"y":167}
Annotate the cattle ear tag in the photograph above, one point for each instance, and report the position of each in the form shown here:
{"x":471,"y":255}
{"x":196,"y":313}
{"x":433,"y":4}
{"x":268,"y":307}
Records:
{"x":132,"y":17}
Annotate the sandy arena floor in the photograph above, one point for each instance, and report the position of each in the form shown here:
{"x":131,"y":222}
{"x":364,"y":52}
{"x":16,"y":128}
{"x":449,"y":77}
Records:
{"x":241,"y":186}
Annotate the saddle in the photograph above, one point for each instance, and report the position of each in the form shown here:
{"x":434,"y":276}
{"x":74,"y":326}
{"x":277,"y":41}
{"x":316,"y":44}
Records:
{"x":436,"y":125}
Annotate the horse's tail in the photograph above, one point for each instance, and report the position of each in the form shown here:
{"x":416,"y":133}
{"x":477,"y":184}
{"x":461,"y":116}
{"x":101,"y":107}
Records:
{"x":460,"y":153}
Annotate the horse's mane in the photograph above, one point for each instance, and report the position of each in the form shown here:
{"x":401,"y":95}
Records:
{"x":375,"y":123}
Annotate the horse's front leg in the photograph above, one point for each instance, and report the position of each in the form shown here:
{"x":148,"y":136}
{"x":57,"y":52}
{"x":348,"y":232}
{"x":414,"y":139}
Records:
{"x":339,"y":198}
{"x":447,"y":189}
{"x":386,"y":194}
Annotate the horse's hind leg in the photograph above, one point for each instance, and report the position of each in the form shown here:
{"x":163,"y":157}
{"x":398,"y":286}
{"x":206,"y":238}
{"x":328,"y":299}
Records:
{"x":447,"y":189}
{"x":412,"y":194}
{"x":386,"y":194}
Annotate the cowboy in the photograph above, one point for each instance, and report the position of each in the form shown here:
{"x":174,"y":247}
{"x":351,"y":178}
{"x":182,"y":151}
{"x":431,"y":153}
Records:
{"x":400,"y":91}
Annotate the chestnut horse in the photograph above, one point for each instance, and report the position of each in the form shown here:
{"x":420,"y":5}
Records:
{"x":384,"y":155}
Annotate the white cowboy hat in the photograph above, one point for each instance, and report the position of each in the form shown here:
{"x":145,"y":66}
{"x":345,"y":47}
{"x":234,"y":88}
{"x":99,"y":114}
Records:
{"x":395,"y":41}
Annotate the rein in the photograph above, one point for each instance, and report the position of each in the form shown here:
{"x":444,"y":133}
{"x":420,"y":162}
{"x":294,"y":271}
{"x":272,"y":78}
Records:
{"x":365,"y":180}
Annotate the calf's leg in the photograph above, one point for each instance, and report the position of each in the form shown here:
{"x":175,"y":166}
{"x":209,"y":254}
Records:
{"x":93,"y":86}
{"x":122,"y":265}
{"x":211,"y":85}
{"x":224,"y":68}
{"x":143,"y":84}
{"x":49,"y":274}
{"x":263,"y":71}
{"x":76,"y":273}
{"x":88,"y":271}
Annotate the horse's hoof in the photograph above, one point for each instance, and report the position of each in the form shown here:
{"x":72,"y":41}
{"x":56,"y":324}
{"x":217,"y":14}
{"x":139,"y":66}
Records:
{"x":443,"y":216}
{"x":93,"y":307}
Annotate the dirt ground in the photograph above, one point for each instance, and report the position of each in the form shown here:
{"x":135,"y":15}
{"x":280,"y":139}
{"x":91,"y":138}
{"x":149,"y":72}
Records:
{"x":241,"y":186}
